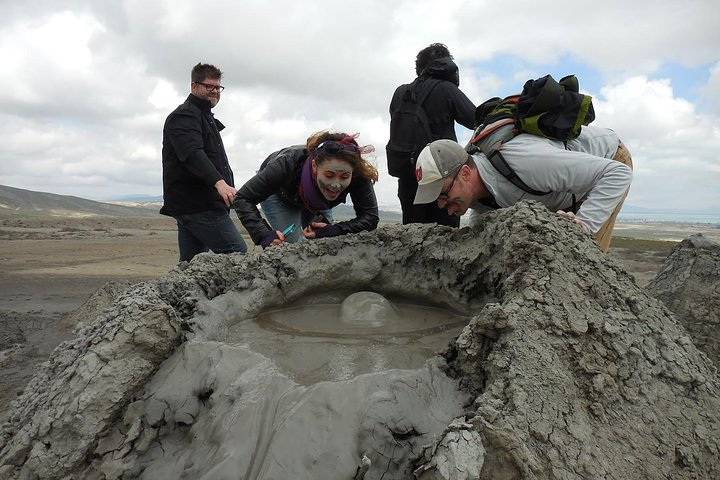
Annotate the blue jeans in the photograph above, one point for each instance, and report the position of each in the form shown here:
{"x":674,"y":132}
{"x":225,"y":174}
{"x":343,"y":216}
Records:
{"x":280,"y":215}
{"x":203,"y":231}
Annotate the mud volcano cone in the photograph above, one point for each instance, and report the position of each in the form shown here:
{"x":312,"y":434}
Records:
{"x":689,"y":285}
{"x":566,"y":369}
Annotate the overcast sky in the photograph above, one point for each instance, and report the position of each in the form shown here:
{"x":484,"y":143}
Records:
{"x":87,"y":84}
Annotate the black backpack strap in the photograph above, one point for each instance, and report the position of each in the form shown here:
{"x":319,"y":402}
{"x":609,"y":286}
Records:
{"x":420,"y":100}
{"x":498,"y":161}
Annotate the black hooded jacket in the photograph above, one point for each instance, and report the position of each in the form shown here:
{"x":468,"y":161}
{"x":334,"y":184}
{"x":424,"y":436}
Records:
{"x":446,"y":103}
{"x":280,"y":174}
{"x":193,"y":159}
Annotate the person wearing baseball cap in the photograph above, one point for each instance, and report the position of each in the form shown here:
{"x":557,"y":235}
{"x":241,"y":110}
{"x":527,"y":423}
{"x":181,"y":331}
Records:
{"x":438,"y":161}
{"x":587,"y":181}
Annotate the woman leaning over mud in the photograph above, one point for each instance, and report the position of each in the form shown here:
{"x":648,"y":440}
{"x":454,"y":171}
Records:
{"x":298,"y":186}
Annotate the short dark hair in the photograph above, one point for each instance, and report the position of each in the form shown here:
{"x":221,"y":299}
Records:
{"x":201,"y":71}
{"x":431,"y":52}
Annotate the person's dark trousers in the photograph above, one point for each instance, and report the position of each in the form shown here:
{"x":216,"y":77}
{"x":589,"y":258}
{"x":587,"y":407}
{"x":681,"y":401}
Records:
{"x":212,"y":230}
{"x":426,"y":213}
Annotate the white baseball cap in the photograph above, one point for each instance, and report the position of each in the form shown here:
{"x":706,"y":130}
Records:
{"x":436,"y":162}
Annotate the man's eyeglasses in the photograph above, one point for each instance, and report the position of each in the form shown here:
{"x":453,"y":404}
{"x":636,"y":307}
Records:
{"x":445,"y":195}
{"x":210,"y":87}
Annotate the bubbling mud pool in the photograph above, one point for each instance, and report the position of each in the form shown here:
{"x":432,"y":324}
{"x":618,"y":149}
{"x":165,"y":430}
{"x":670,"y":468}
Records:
{"x":340,"y":335}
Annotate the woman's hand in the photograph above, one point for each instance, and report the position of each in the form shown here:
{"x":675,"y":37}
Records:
{"x":272,"y":238}
{"x":309,"y":231}
{"x":280,"y":238}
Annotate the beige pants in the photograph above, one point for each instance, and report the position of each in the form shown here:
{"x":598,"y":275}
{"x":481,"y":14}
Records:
{"x":603,"y":236}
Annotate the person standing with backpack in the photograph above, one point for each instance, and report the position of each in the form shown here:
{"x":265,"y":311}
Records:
{"x":420,"y":112}
{"x":585,"y":179}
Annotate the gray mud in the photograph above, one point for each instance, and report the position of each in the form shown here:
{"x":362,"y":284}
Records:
{"x":220,"y":409}
{"x":565,"y":369}
{"x":689,"y":285}
{"x":326,"y":338}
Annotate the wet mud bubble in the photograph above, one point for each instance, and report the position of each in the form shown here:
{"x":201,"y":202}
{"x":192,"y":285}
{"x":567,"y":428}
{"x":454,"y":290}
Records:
{"x":338,"y":335}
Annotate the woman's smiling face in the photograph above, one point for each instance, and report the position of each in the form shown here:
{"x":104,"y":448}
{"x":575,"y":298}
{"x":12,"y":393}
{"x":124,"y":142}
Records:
{"x":333,"y":176}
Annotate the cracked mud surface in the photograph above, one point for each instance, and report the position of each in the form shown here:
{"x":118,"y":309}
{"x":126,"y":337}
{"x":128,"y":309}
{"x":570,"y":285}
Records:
{"x":689,"y":285}
{"x":568,"y":369}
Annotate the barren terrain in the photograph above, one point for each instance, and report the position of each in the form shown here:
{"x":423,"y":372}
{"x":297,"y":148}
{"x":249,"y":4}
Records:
{"x":50,"y":266}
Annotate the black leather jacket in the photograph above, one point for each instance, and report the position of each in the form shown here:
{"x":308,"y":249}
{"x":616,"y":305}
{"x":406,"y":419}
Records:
{"x":194,"y":159}
{"x":280,"y":174}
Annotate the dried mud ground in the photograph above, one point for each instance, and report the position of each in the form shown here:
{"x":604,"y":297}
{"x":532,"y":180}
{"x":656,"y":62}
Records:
{"x":50,"y":266}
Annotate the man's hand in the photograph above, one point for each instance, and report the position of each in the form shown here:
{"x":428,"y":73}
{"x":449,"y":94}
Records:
{"x":571,"y":216}
{"x":226,"y":192}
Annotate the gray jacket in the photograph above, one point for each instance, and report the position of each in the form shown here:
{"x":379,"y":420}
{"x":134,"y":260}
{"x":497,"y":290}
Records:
{"x":584,"y":170}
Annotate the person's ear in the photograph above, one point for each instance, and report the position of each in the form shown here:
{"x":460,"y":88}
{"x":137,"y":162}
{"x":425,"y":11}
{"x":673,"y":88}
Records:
{"x":465,"y":172}
{"x":313,"y":165}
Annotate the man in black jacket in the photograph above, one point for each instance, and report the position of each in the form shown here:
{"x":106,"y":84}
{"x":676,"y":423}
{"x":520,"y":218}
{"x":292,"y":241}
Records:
{"x":198,"y":184}
{"x":444,"y":106}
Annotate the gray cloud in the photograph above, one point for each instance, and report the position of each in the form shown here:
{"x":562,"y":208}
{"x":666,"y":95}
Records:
{"x":88,"y":84}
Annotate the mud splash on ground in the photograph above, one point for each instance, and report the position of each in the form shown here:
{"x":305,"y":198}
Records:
{"x":566,"y":369}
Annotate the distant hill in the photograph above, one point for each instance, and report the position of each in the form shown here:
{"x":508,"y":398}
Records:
{"x":16,"y":201}
{"x":137,"y":199}
{"x":635,"y":209}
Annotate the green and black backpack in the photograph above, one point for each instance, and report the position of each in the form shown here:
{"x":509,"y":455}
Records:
{"x":545,"y":107}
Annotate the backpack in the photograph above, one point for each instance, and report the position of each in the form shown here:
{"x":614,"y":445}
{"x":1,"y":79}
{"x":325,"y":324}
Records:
{"x":409,"y":129}
{"x":545,"y":107}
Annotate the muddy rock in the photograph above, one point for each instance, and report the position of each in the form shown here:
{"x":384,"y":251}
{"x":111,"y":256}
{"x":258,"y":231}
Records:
{"x":81,"y":389}
{"x":566,"y":369}
{"x":689,"y":285}
{"x":100,"y":300}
